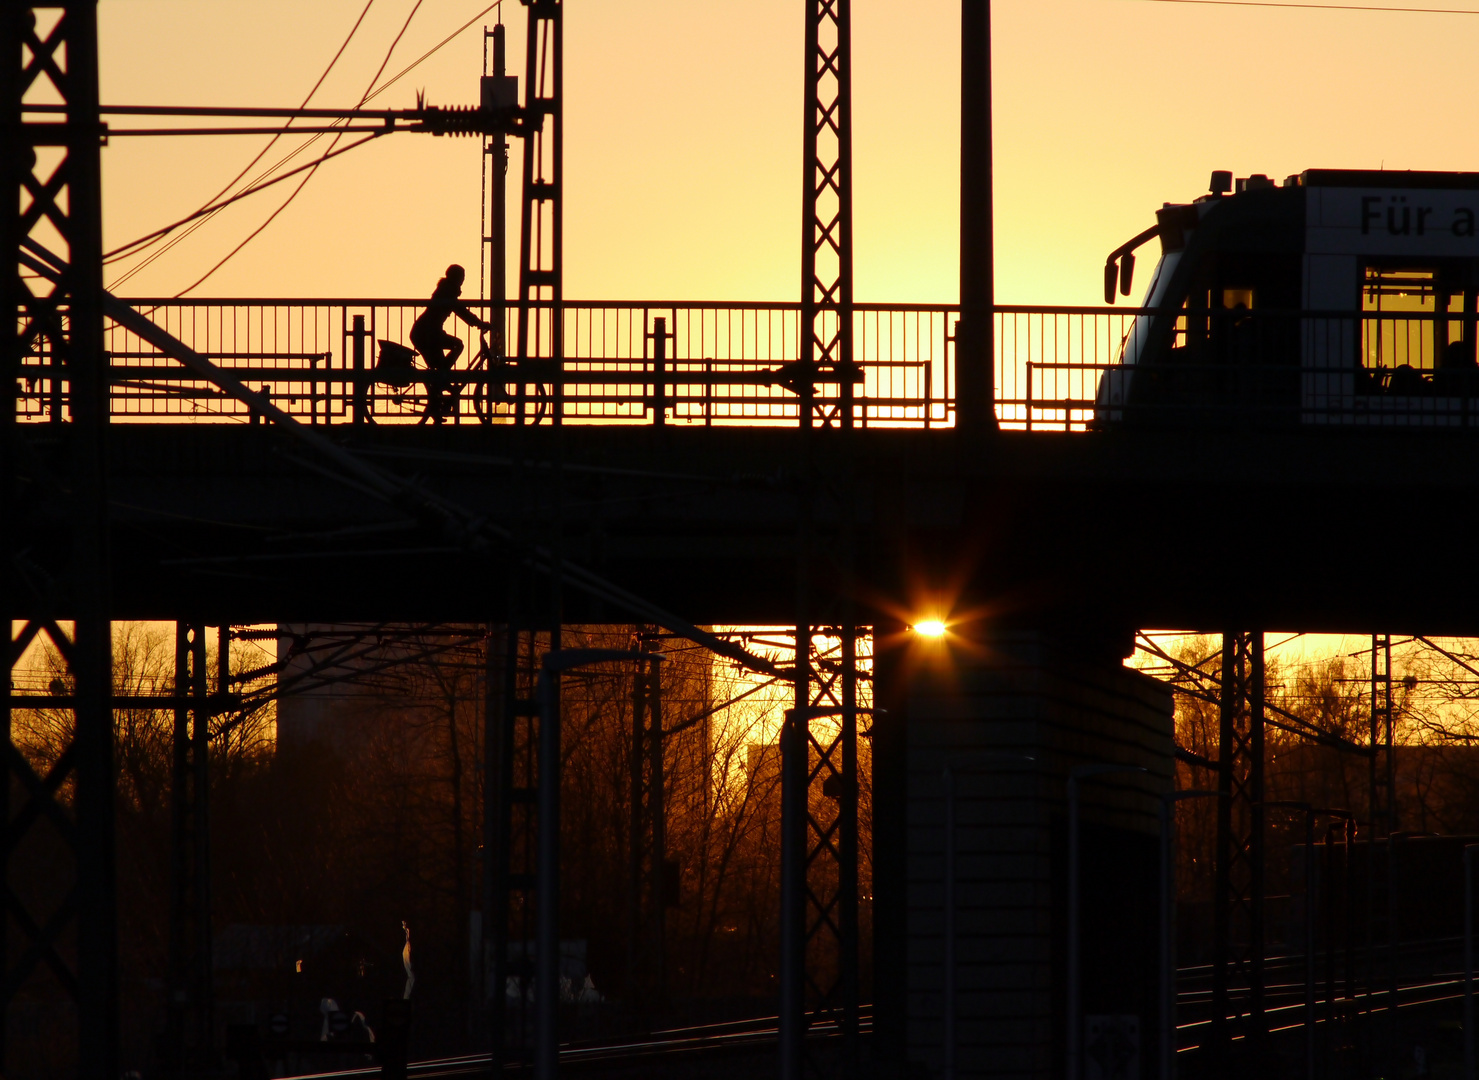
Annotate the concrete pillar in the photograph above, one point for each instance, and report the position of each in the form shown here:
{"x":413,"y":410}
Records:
{"x":983,"y":708}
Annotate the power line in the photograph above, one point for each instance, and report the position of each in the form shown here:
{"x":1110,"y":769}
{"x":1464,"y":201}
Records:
{"x":245,"y":169}
{"x":214,"y":207}
{"x":311,"y":172}
{"x":429,"y":52}
{"x":208,"y":210}
{"x":1321,"y":7}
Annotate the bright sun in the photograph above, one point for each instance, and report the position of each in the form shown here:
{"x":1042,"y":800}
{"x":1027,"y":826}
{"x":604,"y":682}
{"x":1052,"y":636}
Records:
{"x":930,"y":628}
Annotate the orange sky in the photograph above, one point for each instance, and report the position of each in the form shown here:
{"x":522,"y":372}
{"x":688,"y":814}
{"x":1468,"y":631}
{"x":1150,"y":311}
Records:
{"x":683,"y":141}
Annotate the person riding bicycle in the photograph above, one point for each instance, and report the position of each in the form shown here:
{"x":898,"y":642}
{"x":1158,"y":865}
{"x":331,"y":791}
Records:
{"x":439,"y":348}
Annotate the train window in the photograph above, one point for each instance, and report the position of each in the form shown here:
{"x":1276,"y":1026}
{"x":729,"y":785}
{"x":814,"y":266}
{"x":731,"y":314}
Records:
{"x":1405,"y":340}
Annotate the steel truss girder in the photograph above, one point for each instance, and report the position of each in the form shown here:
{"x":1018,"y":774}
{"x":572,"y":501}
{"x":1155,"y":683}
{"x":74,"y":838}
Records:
{"x":50,"y":51}
{"x":826,"y":347}
{"x":1239,"y":933}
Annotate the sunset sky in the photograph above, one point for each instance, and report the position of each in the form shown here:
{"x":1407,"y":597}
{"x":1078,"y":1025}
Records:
{"x":683,"y":140}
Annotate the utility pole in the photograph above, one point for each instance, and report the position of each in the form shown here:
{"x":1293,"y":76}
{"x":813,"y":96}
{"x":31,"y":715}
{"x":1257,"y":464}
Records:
{"x":975,"y":346}
{"x":500,"y":90}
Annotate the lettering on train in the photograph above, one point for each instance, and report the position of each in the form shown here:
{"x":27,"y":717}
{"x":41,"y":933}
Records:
{"x":1397,"y":218}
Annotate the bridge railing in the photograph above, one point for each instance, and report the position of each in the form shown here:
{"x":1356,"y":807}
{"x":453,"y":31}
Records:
{"x":1056,"y":368}
{"x":623,"y":363}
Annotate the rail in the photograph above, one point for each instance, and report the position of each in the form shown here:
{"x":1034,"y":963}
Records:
{"x":711,"y":364}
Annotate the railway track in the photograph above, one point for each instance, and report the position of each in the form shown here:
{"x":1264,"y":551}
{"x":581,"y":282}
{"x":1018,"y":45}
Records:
{"x":733,"y":1038}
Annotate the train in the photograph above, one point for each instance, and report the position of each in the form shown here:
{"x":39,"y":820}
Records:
{"x":1339,"y":296}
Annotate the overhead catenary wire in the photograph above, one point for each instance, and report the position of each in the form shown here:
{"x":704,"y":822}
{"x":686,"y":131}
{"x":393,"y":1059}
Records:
{"x":211,"y":209}
{"x":1321,"y":7}
{"x":311,"y":172}
{"x":261,"y":182}
{"x":153,"y":238}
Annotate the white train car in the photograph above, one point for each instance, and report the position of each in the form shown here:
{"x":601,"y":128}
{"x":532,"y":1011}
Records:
{"x":1337,"y":297}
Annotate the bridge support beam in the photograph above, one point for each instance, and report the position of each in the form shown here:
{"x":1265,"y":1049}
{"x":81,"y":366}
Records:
{"x":1000,"y":723}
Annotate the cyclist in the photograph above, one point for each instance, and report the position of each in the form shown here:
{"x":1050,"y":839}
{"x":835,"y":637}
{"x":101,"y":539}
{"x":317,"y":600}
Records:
{"x":439,"y":348}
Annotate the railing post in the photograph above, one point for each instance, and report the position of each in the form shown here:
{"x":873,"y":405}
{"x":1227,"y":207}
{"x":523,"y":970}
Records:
{"x":358,"y":334}
{"x":659,"y":338}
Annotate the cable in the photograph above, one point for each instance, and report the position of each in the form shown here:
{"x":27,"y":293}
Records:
{"x":1320,"y":7}
{"x":311,"y":172}
{"x":426,"y":55}
{"x":208,"y":211}
{"x":137,"y":245}
{"x":211,"y":209}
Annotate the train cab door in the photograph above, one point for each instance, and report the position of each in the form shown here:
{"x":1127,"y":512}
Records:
{"x":1236,"y":344}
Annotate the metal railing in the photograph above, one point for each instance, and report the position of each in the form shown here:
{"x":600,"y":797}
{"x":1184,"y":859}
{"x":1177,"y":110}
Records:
{"x":706,"y":364}
{"x":623,"y":363}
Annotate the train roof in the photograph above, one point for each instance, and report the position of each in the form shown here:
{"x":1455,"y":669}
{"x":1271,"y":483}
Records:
{"x":1384,"y":178}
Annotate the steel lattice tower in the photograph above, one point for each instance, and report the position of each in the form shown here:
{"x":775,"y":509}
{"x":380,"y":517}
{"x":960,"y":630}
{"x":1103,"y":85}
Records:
{"x":541,"y":220}
{"x":53,"y":173}
{"x":1239,"y":937}
{"x":826,"y":356}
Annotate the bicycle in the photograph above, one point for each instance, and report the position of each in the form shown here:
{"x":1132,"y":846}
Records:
{"x":493,"y":397}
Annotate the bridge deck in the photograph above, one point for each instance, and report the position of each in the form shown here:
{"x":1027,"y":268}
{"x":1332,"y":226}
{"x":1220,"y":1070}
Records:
{"x":1319,"y":529}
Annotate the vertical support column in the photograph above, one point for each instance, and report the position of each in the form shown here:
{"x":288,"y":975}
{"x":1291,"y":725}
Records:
{"x":975,"y":346}
{"x":97,"y":946}
{"x":660,"y":338}
{"x":648,"y":886}
{"x":637,"y":838}
{"x":826,"y":347}
{"x":180,"y":850}
{"x":489,"y":992}
{"x":57,"y":56}
{"x":793,"y":898}
{"x":1255,"y":838}
{"x":15,"y":156}
{"x":506,"y":880}
{"x":656,"y":786}
{"x":1383,"y":800}
{"x":1238,"y":944}
{"x":847,"y":855}
{"x":1222,"y":900}
{"x":361,"y":401}
{"x":200,"y":750}
{"x":191,"y":1023}
{"x":541,"y":220}
{"x":498,"y":89}
{"x":547,"y":962}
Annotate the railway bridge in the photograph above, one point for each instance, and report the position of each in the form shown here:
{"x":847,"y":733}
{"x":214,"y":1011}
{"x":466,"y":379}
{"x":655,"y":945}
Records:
{"x":846,"y":470}
{"x":1043,"y":542}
